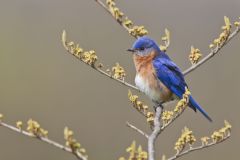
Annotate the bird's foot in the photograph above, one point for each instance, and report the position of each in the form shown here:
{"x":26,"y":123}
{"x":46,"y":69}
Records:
{"x":156,"y":105}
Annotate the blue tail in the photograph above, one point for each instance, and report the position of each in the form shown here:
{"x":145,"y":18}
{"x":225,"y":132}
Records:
{"x":194,"y":105}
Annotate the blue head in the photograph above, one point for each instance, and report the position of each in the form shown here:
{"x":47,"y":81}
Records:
{"x":144,"y":46}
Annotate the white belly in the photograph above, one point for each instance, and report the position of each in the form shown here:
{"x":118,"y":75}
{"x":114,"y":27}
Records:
{"x":143,"y":85}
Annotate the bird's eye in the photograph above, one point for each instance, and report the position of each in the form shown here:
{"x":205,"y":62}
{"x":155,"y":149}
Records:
{"x":141,"y":48}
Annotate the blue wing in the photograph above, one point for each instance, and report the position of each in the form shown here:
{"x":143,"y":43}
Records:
{"x":171,"y":76}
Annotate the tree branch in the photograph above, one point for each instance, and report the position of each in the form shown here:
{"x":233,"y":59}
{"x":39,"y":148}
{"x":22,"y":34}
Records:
{"x":108,"y":11}
{"x":212,"y":53}
{"x":71,"y":51}
{"x":197,"y":148}
{"x":156,"y":131}
{"x":137,"y":130}
{"x":44,"y":139}
{"x":118,"y":80}
{"x":172,"y":120}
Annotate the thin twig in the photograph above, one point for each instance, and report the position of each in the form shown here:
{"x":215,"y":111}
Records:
{"x":156,"y":131}
{"x":108,"y":11}
{"x":197,"y":148}
{"x":137,"y":129}
{"x":44,"y":139}
{"x":212,"y":53}
{"x":123,"y":82}
{"x":118,"y":80}
{"x":172,"y":120}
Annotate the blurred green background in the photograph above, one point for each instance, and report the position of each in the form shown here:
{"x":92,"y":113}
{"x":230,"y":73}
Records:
{"x":40,"y":80}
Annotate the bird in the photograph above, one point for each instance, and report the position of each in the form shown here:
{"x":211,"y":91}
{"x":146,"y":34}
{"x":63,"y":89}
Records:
{"x":158,"y":76}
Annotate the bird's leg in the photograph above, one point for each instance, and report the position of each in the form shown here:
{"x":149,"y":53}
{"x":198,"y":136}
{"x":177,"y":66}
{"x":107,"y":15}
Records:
{"x":156,"y":105}
{"x":155,"y":108}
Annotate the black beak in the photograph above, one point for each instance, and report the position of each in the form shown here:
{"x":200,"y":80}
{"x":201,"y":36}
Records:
{"x":131,"y":50}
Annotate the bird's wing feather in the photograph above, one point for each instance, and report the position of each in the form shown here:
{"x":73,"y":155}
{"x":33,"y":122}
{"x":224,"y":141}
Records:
{"x":170,"y":75}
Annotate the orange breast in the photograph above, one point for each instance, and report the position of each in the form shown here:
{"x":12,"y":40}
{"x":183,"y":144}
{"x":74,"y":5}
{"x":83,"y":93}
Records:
{"x":147,"y":81}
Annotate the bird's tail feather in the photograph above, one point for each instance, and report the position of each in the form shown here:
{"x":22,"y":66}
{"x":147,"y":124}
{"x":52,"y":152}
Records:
{"x":195,"y":105}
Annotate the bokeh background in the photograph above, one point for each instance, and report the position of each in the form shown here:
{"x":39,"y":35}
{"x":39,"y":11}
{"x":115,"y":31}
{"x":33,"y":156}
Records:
{"x":40,"y":80}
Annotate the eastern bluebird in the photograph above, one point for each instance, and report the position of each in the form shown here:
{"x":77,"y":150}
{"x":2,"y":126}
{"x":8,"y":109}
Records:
{"x":157,"y":75}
